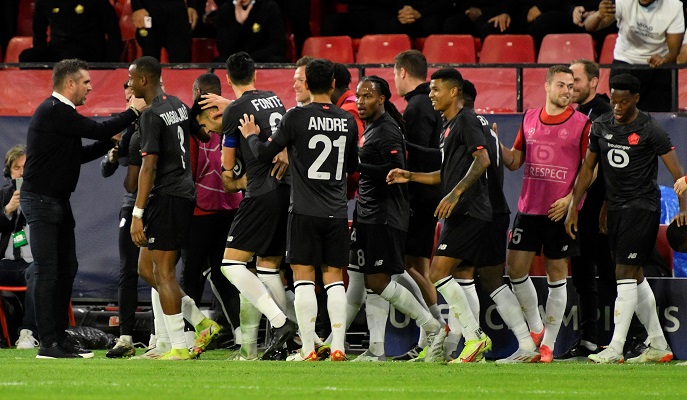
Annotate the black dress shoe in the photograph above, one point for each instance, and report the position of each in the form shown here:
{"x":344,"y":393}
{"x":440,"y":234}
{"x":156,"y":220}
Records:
{"x":577,"y":352}
{"x":72,"y":345}
{"x":54,"y":350}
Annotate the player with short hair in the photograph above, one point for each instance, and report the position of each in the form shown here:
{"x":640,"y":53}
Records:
{"x":260,"y":223}
{"x":321,"y":139}
{"x":423,"y":127}
{"x":550,"y":144}
{"x":628,"y":142}
{"x":302,"y":92}
{"x":466,"y":208}
{"x":382,"y":213}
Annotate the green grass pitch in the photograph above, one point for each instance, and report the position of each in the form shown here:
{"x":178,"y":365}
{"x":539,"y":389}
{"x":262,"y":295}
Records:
{"x":212,"y":377}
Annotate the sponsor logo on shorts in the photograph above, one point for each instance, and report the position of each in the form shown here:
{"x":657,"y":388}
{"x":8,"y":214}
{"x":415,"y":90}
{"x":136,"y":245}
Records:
{"x":378,"y":263}
{"x":632,"y":256}
{"x":442,"y":246}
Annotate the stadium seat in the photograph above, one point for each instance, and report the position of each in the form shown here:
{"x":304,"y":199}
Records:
{"x":16,"y":45}
{"x":126,"y":22}
{"x":450,"y":49}
{"x":335,"y":48}
{"x":3,"y":317}
{"x":203,"y":50}
{"x":507,"y":49}
{"x":381,"y":49}
{"x":606,"y":56}
{"x":25,"y":17}
{"x":563,"y":48}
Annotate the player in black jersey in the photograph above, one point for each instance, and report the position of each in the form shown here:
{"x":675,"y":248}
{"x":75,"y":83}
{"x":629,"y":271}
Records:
{"x":165,"y":186}
{"x":382,"y":211}
{"x":424,"y":127}
{"x":259,"y":226}
{"x":628,"y":142}
{"x":466,"y":207}
{"x":322,"y":147}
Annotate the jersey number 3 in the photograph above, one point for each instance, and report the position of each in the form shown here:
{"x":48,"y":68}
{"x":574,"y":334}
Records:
{"x":314,"y":170}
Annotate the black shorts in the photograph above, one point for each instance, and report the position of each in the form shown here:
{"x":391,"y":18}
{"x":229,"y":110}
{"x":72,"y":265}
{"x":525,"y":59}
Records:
{"x":167,"y":222}
{"x":317,"y":241}
{"x":632,"y":235}
{"x":461,"y":238}
{"x":377,"y":249}
{"x":495,"y":241}
{"x":260,"y":224}
{"x":534,"y":232}
{"x":421,"y":232}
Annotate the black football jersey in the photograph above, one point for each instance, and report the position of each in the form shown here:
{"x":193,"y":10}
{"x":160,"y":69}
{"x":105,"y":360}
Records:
{"x":629,"y":158}
{"x":463,"y":136}
{"x":499,"y":204}
{"x":164,"y":130}
{"x":268,"y":111}
{"x":322,"y":145}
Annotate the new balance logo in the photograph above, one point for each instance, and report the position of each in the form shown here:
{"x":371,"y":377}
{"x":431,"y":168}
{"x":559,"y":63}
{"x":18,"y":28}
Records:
{"x":632,"y":256}
{"x":379,"y":263}
{"x":442,"y":247}
{"x":564,"y":248}
{"x":230,"y":238}
{"x":151,"y":240}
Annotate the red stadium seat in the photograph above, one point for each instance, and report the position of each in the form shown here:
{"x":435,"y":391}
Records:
{"x":377,"y":49}
{"x":450,"y":49}
{"x":564,"y":48}
{"x":507,"y":49}
{"x":606,"y":56}
{"x":203,"y":50}
{"x":25,"y":17}
{"x":16,"y":45}
{"x":335,"y":48}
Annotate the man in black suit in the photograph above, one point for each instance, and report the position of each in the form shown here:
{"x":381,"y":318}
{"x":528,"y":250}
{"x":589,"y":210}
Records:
{"x":53,"y":161}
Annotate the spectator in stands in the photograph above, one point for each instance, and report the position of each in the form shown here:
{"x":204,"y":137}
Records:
{"x":649,"y":33}
{"x":16,"y":266}
{"x":487,"y":17}
{"x":78,"y":29}
{"x":420,"y":18}
{"x":297,"y":13}
{"x":9,"y":13}
{"x":165,"y":23}
{"x":253,"y":26}
{"x":362,"y":17}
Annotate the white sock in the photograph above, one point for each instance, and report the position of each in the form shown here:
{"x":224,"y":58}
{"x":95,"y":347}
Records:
{"x":555,"y":309}
{"x":336,"y":306}
{"x":455,"y":333}
{"x":405,"y":302}
{"x":470,"y":291}
{"x":377,"y":313}
{"x":409,"y":283}
{"x":646,"y":312}
{"x":458,"y":305}
{"x":306,"y":313}
{"x":422,"y":338}
{"x":159,"y":318}
{"x":509,"y":309}
{"x":250,"y":286}
{"x":524,"y":291}
{"x":191,"y":313}
{"x":290,"y":297}
{"x":355,"y":295}
{"x":625,"y":305}
{"x":126,"y":338}
{"x":175,"y":327}
{"x":272,"y":281}
{"x":249,"y":317}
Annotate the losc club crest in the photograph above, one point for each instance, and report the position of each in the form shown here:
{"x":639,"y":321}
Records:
{"x":633,"y":139}
{"x":563,"y":134}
